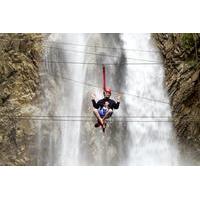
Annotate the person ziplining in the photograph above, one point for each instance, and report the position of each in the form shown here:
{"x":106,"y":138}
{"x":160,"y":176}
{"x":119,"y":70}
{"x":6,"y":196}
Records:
{"x":103,"y":109}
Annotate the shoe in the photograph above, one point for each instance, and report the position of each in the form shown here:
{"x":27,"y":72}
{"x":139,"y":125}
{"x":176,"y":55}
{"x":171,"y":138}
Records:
{"x":105,"y":124}
{"x":104,"y":127}
{"x":97,"y":125}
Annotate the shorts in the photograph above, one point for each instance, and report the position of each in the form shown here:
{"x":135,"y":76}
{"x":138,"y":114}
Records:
{"x":102,"y":112}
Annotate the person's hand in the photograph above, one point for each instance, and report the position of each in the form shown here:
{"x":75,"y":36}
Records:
{"x":118,"y":98}
{"x":93,"y":96}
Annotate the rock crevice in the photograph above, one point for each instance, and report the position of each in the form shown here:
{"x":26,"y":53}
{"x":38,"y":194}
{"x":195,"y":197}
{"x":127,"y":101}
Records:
{"x":181,"y":56}
{"x":19,"y":82}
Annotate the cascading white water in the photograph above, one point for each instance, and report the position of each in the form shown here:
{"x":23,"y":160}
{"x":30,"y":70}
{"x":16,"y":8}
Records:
{"x":71,"y":104}
{"x":152,"y":143}
{"x":98,"y":148}
{"x":125,"y":143}
{"x":61,"y":98}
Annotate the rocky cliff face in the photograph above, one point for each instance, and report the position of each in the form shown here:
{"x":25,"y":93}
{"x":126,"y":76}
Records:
{"x":181,"y":55}
{"x":19,"y":80}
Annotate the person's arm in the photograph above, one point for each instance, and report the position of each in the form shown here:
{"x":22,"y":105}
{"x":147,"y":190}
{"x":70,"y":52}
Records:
{"x":95,"y":105}
{"x":116,"y":104}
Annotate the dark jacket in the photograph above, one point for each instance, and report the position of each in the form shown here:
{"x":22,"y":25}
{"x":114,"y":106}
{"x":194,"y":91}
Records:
{"x":100,"y":103}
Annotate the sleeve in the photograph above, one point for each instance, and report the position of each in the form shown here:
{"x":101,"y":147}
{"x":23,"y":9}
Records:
{"x":95,"y":105}
{"x":116,"y":105}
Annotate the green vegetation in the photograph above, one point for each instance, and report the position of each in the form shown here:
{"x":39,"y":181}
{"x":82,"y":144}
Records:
{"x":192,"y":64}
{"x":187,"y":40}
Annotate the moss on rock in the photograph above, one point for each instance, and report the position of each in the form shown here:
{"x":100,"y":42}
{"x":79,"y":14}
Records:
{"x":182,"y":78}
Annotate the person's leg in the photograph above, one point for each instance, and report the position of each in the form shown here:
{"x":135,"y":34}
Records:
{"x":96,"y":113}
{"x":108,"y":114}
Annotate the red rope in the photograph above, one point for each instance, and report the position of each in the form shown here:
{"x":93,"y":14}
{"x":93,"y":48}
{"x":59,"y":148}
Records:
{"x":104,"y":77}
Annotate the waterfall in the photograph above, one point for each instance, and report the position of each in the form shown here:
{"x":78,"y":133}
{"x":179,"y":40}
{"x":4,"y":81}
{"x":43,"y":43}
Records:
{"x":109,"y":148}
{"x":65,"y":91}
{"x":58,"y":139}
{"x":152,"y":143}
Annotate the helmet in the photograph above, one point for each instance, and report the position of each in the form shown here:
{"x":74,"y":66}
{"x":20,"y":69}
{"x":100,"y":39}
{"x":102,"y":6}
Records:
{"x":108,"y":90}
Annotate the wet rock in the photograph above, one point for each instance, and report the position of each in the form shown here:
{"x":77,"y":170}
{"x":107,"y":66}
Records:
{"x":183,"y":82}
{"x":19,"y":83}
{"x":195,"y":76}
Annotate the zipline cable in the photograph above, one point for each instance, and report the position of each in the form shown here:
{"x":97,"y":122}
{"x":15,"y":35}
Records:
{"x":84,"y":63}
{"x":92,"y":63}
{"x":83,"y":45}
{"x":102,"y":47}
{"x":98,"y":54}
{"x":95,"y":86}
{"x":92,"y":120}
{"x":89,"y":116}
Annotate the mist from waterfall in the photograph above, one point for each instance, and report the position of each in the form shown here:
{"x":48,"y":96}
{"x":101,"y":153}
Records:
{"x":66,"y":90}
{"x":153,"y":139}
